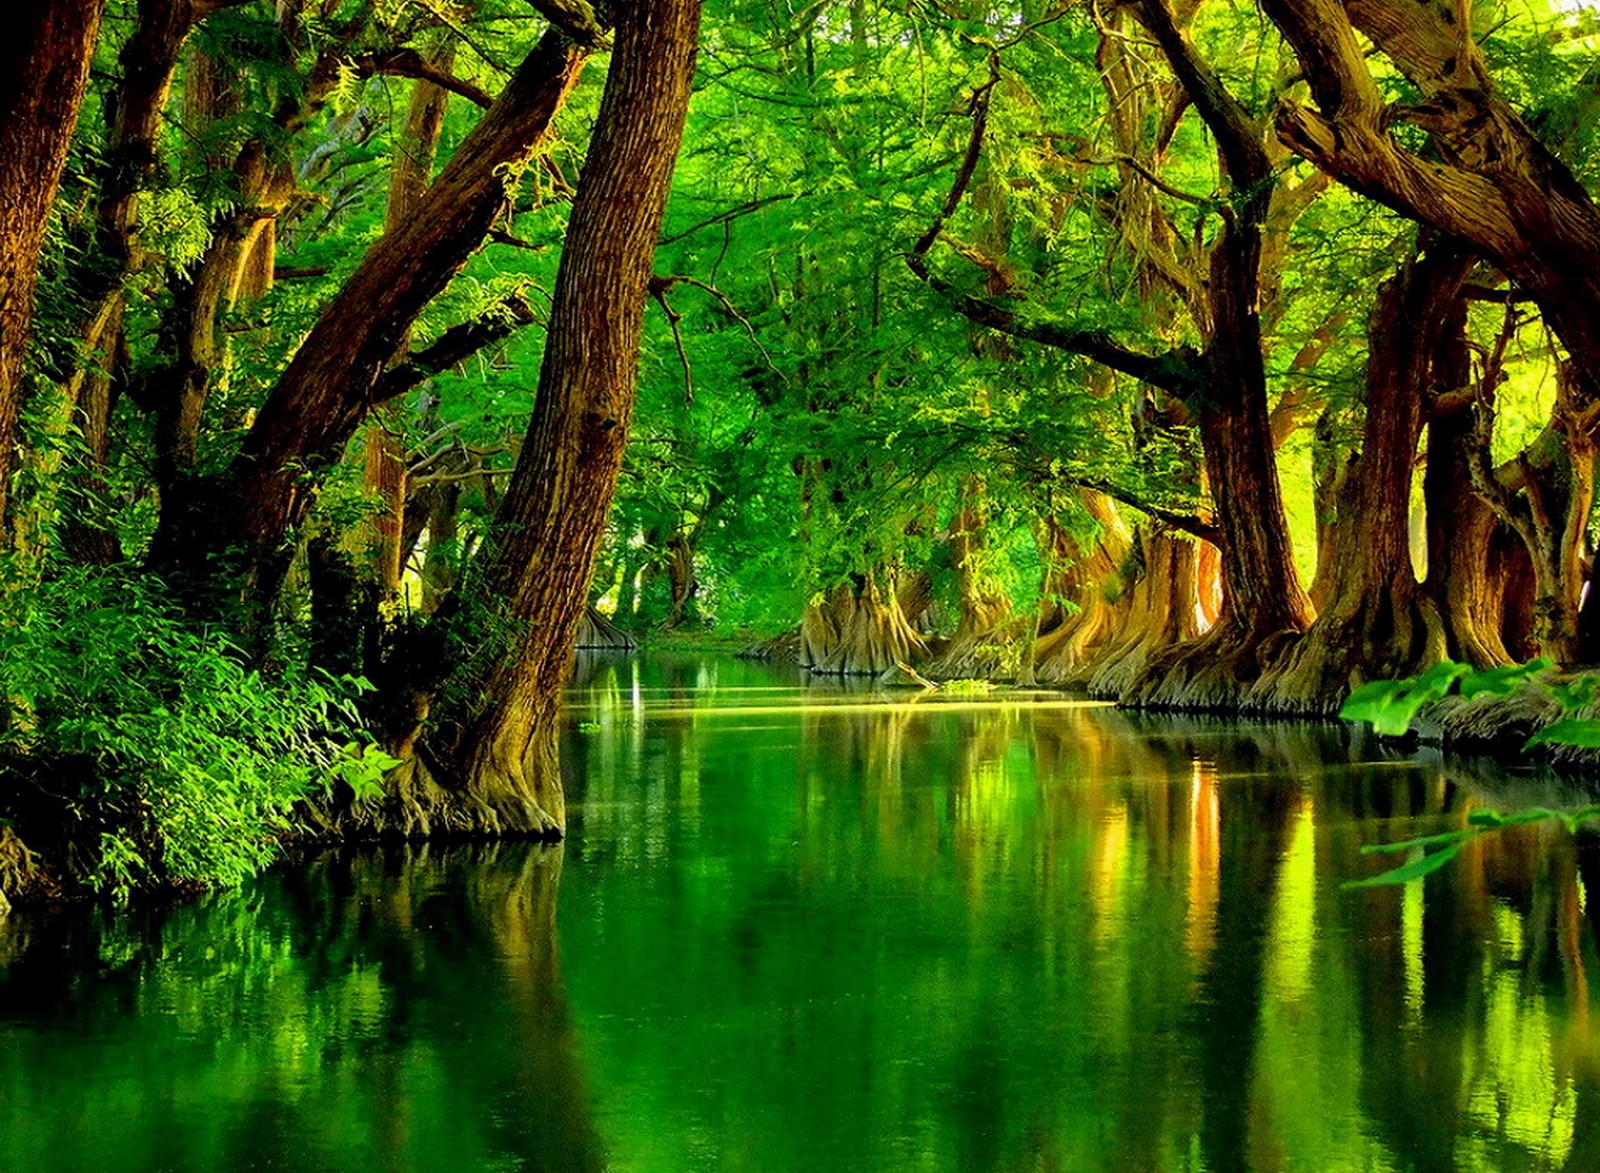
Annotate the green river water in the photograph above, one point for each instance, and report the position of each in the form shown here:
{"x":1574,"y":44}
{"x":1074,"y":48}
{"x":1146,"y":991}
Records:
{"x":805,"y":927}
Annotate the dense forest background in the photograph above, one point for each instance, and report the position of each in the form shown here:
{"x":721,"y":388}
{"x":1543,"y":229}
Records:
{"x":359,"y":356}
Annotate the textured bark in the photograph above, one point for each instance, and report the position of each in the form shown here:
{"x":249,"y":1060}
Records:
{"x":974,"y":648}
{"x":500,"y":764}
{"x":1545,"y":496}
{"x":596,"y":633}
{"x":1082,"y":598}
{"x":1494,"y":184}
{"x":858,"y":628}
{"x":1378,"y":623}
{"x":44,"y":70}
{"x":1264,"y":607}
{"x":1462,"y":528}
{"x":384,"y":466}
{"x":1161,"y":614}
{"x":332,"y":382}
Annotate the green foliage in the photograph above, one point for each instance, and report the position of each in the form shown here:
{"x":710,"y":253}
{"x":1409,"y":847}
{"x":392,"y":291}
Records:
{"x":1391,"y":705}
{"x":158,"y":734}
{"x":967,"y":687}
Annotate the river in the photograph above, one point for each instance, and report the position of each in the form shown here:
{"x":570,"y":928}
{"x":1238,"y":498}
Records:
{"x":809,"y":927}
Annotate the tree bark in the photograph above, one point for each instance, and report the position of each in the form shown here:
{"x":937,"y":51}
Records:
{"x":333,"y":380}
{"x":1161,"y":614}
{"x":501,"y":764}
{"x":1470,"y":598}
{"x":384,"y":466}
{"x":858,"y":628}
{"x":44,"y":71}
{"x":1495,"y":186}
{"x":1083,"y":574}
{"x":1378,"y":623}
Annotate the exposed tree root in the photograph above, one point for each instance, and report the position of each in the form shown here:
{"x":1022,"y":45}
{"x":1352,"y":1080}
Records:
{"x":1367,"y":637}
{"x":1161,"y":615}
{"x":856,"y":629}
{"x":1213,"y":673}
{"x":596,"y":633}
{"x":24,"y":875}
{"x":780,"y":649}
{"x":510,"y":789}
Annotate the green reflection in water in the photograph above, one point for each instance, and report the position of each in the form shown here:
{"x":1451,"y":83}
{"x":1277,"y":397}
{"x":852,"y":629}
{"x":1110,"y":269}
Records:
{"x":812,"y":927}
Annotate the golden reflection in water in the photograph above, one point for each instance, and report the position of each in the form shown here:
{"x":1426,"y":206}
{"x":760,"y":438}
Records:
{"x":1512,"y":1087}
{"x":1293,"y":928}
{"x":1205,"y":860}
{"x":1110,"y":860}
{"x":809,"y":708}
{"x":1411,"y":914}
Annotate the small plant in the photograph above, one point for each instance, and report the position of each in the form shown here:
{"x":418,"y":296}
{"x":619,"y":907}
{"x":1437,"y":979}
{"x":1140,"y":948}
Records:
{"x":589,"y":727}
{"x":967,"y":687}
{"x":1391,"y":706}
{"x":176,"y":761}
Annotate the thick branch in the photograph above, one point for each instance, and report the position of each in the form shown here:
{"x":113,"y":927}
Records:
{"x":454,"y":347}
{"x":410,"y":63}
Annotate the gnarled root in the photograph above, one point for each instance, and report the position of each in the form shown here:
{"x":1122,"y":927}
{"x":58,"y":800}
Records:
{"x":1367,"y":637}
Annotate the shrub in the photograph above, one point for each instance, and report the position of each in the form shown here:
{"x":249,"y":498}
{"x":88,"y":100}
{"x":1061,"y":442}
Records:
{"x":166,"y":758}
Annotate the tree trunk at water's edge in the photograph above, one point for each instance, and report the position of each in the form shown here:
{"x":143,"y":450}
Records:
{"x":494,"y":760}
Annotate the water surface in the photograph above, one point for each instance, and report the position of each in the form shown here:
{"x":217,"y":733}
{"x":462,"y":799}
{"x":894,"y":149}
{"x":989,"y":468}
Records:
{"x":803,"y":927}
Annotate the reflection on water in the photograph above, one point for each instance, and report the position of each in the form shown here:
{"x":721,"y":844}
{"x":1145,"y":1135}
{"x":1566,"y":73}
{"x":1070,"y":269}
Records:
{"x":830,"y":929}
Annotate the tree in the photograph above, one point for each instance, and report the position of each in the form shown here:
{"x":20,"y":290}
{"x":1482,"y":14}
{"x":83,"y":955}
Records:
{"x":44,"y":71}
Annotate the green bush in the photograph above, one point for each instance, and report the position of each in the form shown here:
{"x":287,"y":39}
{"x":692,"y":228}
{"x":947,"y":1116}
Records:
{"x":155,"y":739}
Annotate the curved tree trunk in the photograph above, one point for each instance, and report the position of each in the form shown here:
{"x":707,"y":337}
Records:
{"x":1489,"y":182}
{"x":44,"y":69}
{"x":1378,"y":623}
{"x":497,"y":762}
{"x":333,"y":380}
{"x":384,"y":465}
{"x":1161,"y":615}
{"x":973,"y":649}
{"x":1264,"y":607}
{"x":1469,"y":597}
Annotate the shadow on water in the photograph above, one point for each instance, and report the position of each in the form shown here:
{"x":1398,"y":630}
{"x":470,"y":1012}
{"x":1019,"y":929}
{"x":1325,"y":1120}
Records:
{"x":394,"y":1009}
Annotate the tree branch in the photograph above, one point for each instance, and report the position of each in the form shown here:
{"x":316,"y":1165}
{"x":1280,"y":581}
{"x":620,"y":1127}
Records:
{"x":410,"y":63}
{"x":453,"y":347}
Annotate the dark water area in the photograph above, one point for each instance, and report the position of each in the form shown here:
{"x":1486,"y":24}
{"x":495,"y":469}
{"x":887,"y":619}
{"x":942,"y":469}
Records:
{"x":808,"y":927}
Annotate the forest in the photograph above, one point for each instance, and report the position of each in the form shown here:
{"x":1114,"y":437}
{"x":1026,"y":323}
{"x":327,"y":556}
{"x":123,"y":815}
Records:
{"x":360,"y":358}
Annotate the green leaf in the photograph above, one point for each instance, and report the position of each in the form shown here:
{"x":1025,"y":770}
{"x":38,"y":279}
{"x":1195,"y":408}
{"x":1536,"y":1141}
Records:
{"x":1420,"y":841}
{"x":1582,"y":732}
{"x":1415,"y":869}
{"x":1390,"y":705}
{"x":1501,"y":681}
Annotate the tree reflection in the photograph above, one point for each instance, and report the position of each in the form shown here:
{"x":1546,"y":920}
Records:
{"x":397,"y":1009}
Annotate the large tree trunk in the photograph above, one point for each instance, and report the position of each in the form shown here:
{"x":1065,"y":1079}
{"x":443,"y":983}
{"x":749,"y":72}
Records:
{"x":1378,"y":623}
{"x":1264,"y":607}
{"x":333,"y":380}
{"x":44,"y":70}
{"x":974,"y":648}
{"x":384,"y":466}
{"x":858,"y":628}
{"x":1545,"y":495}
{"x":1462,"y":527}
{"x":1161,"y":615}
{"x":1080,"y":574}
{"x":498,"y":761}
{"x":1496,"y":186}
